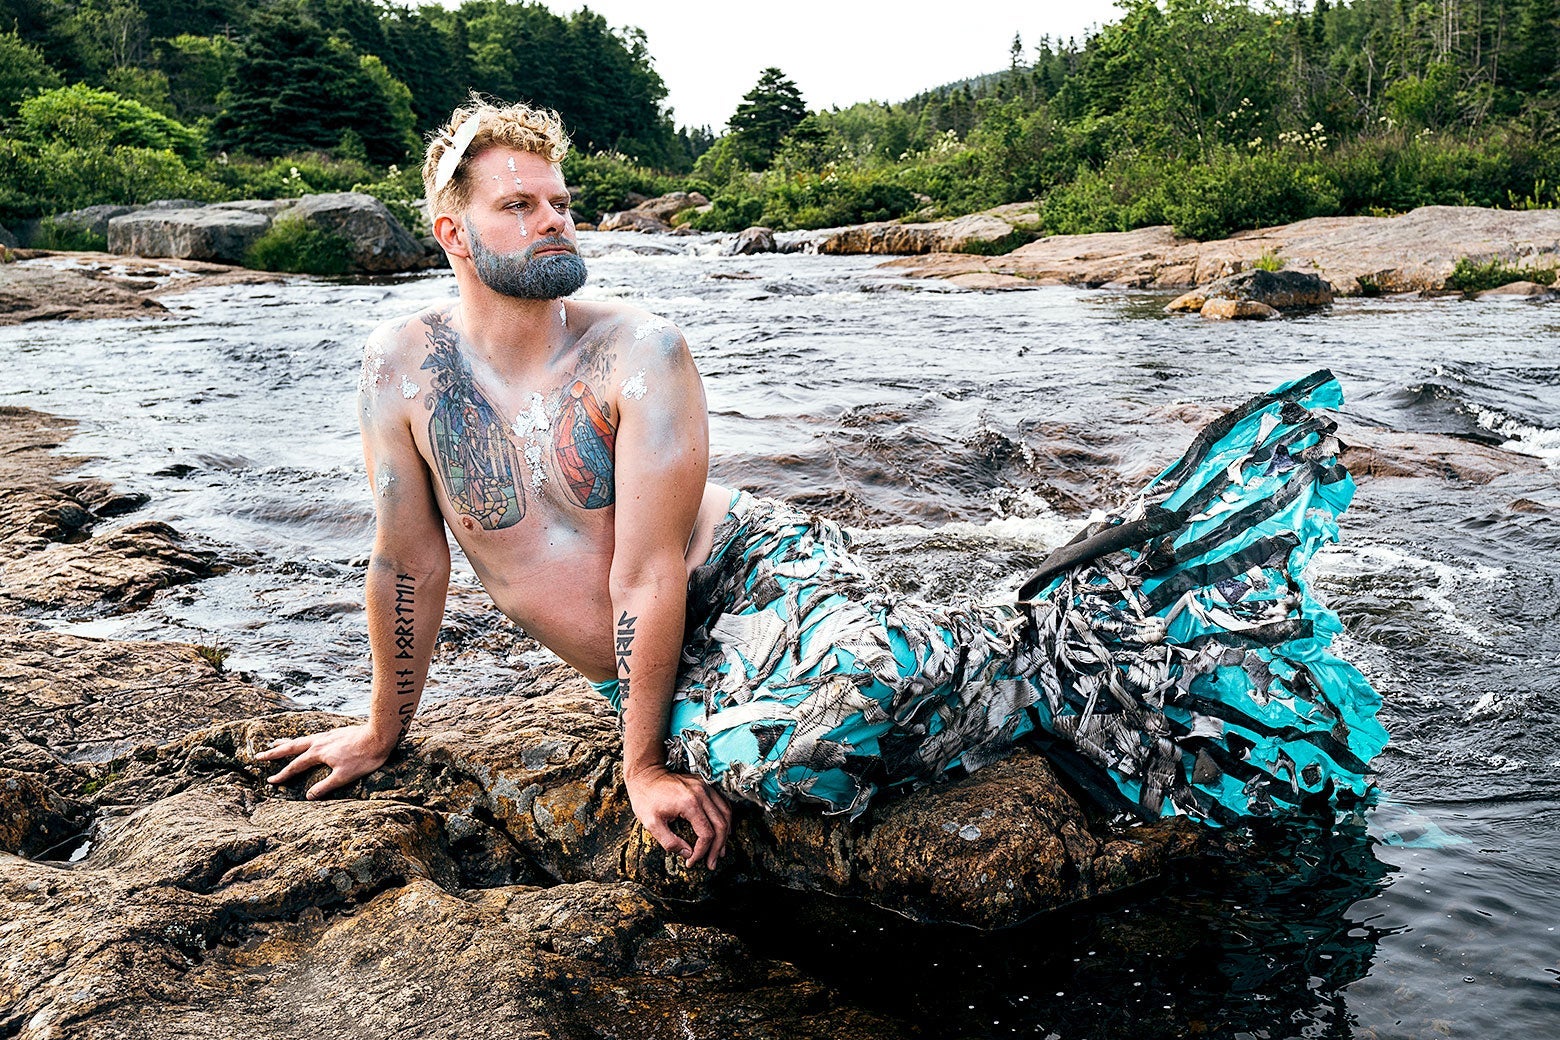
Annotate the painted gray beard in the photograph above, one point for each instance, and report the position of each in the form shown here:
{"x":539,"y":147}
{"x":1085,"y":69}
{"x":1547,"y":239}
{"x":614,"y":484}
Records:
{"x":526,"y":277}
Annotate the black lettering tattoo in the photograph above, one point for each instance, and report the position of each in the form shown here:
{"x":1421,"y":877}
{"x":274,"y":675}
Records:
{"x":477,"y":462}
{"x":405,"y":622}
{"x":624,"y":650}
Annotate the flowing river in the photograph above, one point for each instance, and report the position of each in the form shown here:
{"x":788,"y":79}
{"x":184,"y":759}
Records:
{"x":962,"y":435}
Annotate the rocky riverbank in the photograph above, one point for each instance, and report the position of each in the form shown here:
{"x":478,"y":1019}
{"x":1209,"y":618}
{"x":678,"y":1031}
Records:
{"x":42,"y":285}
{"x":490,"y":879}
{"x":1413,"y":252}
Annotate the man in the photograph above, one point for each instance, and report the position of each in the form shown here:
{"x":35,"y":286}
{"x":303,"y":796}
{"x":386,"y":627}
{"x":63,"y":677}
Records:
{"x":564,"y":444}
{"x":1174,"y":664}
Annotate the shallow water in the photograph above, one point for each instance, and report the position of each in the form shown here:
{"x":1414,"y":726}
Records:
{"x":964,"y":434}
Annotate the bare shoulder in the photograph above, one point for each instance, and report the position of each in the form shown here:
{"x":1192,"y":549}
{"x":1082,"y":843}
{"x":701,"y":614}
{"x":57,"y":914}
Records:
{"x":619,"y":335}
{"x":393,"y":357}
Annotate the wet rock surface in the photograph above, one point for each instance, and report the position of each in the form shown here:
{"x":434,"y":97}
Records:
{"x":1273,"y":291}
{"x":45,"y":285}
{"x":1413,"y":252}
{"x":490,"y":878}
{"x":653,"y":215}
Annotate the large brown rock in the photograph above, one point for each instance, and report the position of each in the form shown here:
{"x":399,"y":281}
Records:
{"x":35,"y":292}
{"x":653,"y":215}
{"x":1416,"y":251}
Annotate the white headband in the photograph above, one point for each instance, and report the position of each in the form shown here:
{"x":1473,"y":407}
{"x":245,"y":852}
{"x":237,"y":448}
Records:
{"x":454,"y":151}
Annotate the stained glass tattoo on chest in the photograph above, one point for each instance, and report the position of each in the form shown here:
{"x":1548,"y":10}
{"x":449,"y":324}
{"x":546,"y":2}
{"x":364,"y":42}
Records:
{"x":477,"y":462}
{"x":584,"y":441}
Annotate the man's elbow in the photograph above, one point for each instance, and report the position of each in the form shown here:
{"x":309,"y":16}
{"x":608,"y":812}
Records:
{"x":654,"y":578}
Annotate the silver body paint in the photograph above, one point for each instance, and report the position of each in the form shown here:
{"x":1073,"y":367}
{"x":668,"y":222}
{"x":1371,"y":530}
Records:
{"x":649,"y":328}
{"x":634,"y":385}
{"x":408,"y":388}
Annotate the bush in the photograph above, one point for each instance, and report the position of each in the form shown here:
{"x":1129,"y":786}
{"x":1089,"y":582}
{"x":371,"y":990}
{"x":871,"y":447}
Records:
{"x":297,"y":247}
{"x":811,"y":201}
{"x":85,"y":117}
{"x":71,"y":237}
{"x":39,"y":180}
{"x":401,"y":191}
{"x":1234,"y":192}
{"x":602,"y":182}
{"x":1128,"y":192}
{"x":729,"y":212}
{"x":288,"y":177}
{"x":1470,"y":277}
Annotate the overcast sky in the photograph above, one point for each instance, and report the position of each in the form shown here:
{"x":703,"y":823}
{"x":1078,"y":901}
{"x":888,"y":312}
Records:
{"x":838,"y":52}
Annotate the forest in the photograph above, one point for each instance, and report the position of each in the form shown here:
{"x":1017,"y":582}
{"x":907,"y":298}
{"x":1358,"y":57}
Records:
{"x":1210,"y":115}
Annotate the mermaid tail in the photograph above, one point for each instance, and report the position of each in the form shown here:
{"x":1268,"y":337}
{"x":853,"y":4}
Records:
{"x":1172,"y":661}
{"x":1185,"y":655}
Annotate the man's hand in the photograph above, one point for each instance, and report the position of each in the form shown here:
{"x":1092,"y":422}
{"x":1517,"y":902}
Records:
{"x":660,"y":796}
{"x":350,"y":752}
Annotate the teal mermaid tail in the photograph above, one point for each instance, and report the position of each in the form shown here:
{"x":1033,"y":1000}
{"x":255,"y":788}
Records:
{"x":1189,"y":659}
{"x":1172,"y":660}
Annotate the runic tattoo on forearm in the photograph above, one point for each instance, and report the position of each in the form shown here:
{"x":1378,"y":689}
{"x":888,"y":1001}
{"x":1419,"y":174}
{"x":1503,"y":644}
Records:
{"x":405,"y":642}
{"x":625,"y":650}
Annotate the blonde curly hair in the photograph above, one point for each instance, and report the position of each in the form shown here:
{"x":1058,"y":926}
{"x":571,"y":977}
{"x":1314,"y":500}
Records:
{"x":519,"y":126}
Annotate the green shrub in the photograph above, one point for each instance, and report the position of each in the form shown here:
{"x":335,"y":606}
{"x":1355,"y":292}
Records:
{"x":811,"y":201}
{"x":287,"y":177}
{"x":400,"y":190}
{"x":37,"y":180}
{"x":294,"y":246}
{"x":1235,"y":192}
{"x":1269,"y":261}
{"x":1001,"y":246}
{"x":603,"y":182}
{"x":84,"y":117}
{"x":1127,"y":192}
{"x":1470,"y":277}
{"x":68,"y":236}
{"x":729,"y":213}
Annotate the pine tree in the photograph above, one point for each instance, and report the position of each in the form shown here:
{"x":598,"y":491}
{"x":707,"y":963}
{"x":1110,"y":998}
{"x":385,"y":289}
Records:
{"x":768,"y":112}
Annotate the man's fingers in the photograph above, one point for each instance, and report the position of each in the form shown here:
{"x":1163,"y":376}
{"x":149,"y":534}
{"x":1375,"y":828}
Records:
{"x":283,"y":748}
{"x":704,"y":828}
{"x":302,"y":764}
{"x":719,"y":815}
{"x":669,"y":841}
{"x":337,"y":778}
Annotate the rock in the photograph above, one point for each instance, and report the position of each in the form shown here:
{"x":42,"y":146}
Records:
{"x":222,"y":235}
{"x":651,"y":215}
{"x":751,"y":241}
{"x":8,"y":240}
{"x":122,"y":568}
{"x":633,"y":220}
{"x":31,"y":292}
{"x":379,"y":243}
{"x":265,"y":207}
{"x":1374,"y":453}
{"x":585,"y":225}
{"x":977,"y":232}
{"x":1519,"y":290}
{"x":1224,"y":309}
{"x":166,"y":204}
{"x":93,"y":219}
{"x":1280,"y":290}
{"x":1413,"y":252}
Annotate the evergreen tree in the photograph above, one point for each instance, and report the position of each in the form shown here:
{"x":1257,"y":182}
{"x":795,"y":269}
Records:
{"x":1534,"y":64}
{"x":295,"y":89}
{"x":768,"y":112}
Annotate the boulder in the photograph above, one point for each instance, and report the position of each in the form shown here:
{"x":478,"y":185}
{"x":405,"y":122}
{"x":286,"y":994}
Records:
{"x":1519,"y":290}
{"x":1280,"y":290}
{"x":977,"y":232}
{"x":652,"y":215}
{"x":222,"y":234}
{"x":93,"y":219}
{"x":33,"y":292}
{"x":8,"y":240}
{"x":751,"y":241}
{"x":1225,"y":309}
{"x":379,"y":244}
{"x":265,"y":207}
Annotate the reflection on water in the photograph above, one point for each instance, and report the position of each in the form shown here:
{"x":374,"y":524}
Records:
{"x":961,"y":434}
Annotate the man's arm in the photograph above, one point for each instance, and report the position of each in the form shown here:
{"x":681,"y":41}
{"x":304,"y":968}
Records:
{"x":662,"y":461}
{"x":408,"y":576}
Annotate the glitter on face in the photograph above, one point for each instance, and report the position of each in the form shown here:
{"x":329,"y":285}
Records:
{"x":634,"y":385}
{"x":654,"y":325}
{"x":408,"y":388}
{"x":511,"y":164}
